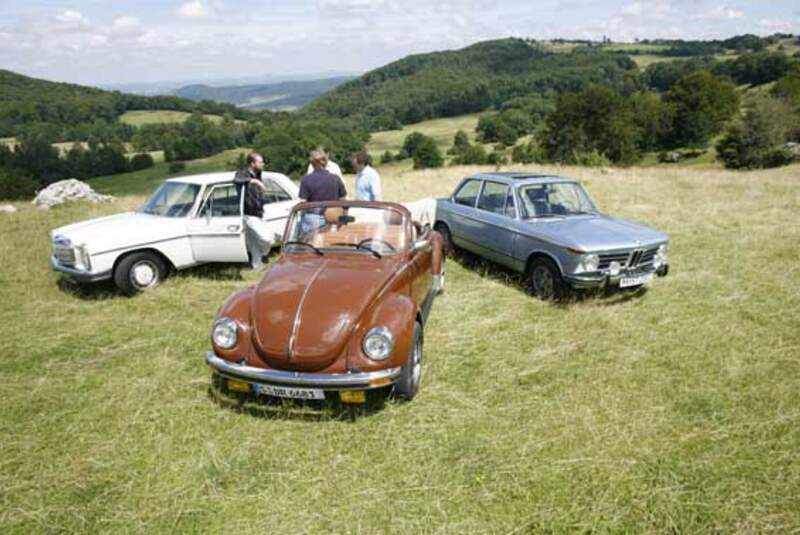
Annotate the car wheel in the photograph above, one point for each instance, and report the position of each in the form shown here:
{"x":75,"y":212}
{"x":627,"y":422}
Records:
{"x":139,"y":272}
{"x":407,"y":384}
{"x":448,"y":247}
{"x":545,"y":281}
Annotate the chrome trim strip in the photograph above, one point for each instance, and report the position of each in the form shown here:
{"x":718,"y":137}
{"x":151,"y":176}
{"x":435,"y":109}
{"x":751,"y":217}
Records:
{"x":332,"y":381}
{"x":296,"y":324}
{"x":138,"y":245}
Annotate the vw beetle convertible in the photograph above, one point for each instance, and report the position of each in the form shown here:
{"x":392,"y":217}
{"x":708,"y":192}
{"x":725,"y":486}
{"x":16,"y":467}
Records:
{"x":548,"y":228}
{"x":341,"y":312}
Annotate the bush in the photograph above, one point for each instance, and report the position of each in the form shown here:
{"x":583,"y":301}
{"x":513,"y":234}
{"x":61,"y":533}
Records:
{"x":141,"y":161}
{"x":427,"y":155}
{"x":176,"y":167}
{"x":387,"y":157}
{"x":760,"y":139}
{"x":471,"y":155}
{"x":16,"y":185}
{"x":497,"y":158}
{"x":589,"y":159}
{"x":527,"y":153}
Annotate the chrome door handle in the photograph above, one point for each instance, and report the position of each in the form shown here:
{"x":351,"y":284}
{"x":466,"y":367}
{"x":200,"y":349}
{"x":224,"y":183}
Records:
{"x":233,"y":228}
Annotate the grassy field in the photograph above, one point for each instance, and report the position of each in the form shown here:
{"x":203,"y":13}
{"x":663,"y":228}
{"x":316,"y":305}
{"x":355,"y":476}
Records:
{"x":442,"y":130}
{"x":143,"y":117}
{"x":673,"y":410}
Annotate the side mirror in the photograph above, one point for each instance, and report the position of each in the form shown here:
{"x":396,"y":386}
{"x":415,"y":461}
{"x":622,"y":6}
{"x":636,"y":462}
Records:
{"x":421,"y":245}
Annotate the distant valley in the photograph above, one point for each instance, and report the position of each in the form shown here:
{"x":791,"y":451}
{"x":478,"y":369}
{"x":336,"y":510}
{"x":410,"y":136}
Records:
{"x":288,"y":95}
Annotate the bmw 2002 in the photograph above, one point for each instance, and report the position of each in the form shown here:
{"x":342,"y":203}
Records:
{"x":548,"y":228}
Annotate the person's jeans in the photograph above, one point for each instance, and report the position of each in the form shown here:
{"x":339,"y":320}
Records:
{"x":258,"y":239}
{"x":312,"y":222}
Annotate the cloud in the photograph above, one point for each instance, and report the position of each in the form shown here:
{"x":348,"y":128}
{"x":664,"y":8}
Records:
{"x":720,"y":13}
{"x":774,"y":24}
{"x":631,"y":9}
{"x":71,"y":16}
{"x":194,"y":10}
{"x":126,"y":26}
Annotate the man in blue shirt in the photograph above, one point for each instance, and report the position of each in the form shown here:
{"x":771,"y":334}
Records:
{"x":368,"y":181}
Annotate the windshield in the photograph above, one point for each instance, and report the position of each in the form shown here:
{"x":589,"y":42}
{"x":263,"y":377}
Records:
{"x":172,"y":199}
{"x":375,"y":231}
{"x":555,"y":199}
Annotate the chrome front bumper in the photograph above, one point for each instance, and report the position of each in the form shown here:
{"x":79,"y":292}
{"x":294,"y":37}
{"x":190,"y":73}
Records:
{"x":79,"y":274}
{"x":600,"y":280}
{"x":324,"y":381}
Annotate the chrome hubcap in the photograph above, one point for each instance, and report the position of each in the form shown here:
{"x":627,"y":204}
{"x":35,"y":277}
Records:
{"x":416,"y":371}
{"x":144,"y":274}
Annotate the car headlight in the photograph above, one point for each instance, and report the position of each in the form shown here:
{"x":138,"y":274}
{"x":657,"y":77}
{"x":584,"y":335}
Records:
{"x":588,"y":262}
{"x":82,"y":257}
{"x":225,"y":333}
{"x":661,"y":256}
{"x":378,"y":343}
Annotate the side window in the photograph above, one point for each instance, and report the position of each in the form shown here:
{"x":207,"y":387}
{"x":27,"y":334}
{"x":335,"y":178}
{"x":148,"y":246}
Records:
{"x":221,"y":202}
{"x":510,"y":210}
{"x":493,"y":198}
{"x":468,"y":193}
{"x":274,"y":193}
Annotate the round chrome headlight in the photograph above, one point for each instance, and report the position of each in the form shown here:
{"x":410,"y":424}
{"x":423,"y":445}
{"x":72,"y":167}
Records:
{"x":588,"y":262}
{"x":614,"y":269}
{"x":378,"y":343}
{"x":224,"y":334}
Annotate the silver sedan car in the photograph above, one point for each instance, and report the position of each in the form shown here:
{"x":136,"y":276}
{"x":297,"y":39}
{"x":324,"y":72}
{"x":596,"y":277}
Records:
{"x":548,"y":228}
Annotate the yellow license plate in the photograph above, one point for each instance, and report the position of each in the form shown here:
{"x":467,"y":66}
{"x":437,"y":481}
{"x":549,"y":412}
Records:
{"x":238,"y":386}
{"x":353,"y":396}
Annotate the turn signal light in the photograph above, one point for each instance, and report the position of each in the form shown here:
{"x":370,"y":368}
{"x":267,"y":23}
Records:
{"x":353,"y":396}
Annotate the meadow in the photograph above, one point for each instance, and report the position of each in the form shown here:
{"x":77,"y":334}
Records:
{"x":441,"y":130}
{"x":144,"y":117}
{"x":675,"y":409}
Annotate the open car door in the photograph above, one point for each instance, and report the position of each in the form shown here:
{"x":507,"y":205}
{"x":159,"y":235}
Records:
{"x":217,"y":231}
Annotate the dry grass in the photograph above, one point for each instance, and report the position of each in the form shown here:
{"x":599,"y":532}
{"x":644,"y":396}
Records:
{"x":675,"y":410}
{"x":441,"y":130}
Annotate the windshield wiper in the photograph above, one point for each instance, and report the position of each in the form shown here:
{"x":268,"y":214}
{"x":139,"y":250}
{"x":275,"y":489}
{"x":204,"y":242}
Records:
{"x":540,"y":216}
{"x":315,"y":249}
{"x":360,"y":246}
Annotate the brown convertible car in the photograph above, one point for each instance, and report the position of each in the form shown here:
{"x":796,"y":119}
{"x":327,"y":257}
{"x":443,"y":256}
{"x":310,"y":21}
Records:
{"x":340,"y":313}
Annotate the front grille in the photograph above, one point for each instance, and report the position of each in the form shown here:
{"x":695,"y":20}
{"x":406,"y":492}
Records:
{"x":630,"y":259}
{"x":620,"y":257}
{"x":65,"y":255}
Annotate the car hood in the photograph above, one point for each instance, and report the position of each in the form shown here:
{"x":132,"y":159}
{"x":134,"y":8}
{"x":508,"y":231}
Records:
{"x":595,"y":232}
{"x":121,"y":230}
{"x":306,"y":306}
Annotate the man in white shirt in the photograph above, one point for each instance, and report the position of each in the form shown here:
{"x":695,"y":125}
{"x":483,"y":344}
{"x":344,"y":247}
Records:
{"x":330,"y":166}
{"x":368,"y":181}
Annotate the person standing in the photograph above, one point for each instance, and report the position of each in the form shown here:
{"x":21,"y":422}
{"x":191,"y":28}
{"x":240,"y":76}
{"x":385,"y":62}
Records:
{"x":257,"y":234}
{"x":330,"y":166}
{"x":320,"y":185}
{"x":368,"y":181}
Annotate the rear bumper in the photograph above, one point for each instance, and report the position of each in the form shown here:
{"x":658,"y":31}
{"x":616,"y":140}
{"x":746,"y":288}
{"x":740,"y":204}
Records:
{"x":78,"y":274}
{"x":323,"y":381}
{"x":600,"y":280}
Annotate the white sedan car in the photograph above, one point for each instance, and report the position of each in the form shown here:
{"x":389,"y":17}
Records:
{"x":188,"y":221}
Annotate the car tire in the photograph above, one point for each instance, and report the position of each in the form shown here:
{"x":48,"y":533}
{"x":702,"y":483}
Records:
{"x":448,"y":247}
{"x":139,"y":272}
{"x":544,"y":280}
{"x":407,"y":384}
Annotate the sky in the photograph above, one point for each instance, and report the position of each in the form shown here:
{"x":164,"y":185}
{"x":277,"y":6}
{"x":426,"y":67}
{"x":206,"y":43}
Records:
{"x":102,"y":42}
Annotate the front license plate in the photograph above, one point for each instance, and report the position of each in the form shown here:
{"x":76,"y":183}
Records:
{"x":637,"y":280}
{"x":290,"y":392}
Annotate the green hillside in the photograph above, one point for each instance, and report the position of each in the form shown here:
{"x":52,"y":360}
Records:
{"x":472,"y":79}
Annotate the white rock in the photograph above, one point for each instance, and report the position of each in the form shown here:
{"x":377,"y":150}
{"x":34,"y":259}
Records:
{"x":7,"y":208}
{"x":67,"y":190}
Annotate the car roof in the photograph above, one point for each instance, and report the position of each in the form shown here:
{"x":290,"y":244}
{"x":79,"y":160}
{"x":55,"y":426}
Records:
{"x":521,"y":177}
{"x":224,"y":176}
{"x":204,"y":179}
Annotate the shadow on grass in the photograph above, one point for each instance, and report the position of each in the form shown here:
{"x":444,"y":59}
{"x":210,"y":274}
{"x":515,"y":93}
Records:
{"x":295,"y":410}
{"x":490,"y":270}
{"x":216,"y":271}
{"x":95,"y":291}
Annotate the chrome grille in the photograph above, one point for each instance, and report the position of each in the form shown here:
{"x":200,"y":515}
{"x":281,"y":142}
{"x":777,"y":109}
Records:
{"x":65,"y":256}
{"x":620,"y":257}
{"x":641,"y":257}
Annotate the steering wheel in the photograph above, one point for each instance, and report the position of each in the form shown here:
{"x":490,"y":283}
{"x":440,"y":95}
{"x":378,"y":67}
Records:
{"x":379,"y":240}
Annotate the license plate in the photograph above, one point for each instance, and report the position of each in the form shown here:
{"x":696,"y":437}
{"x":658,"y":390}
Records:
{"x":290,"y":392}
{"x":636,"y":280}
